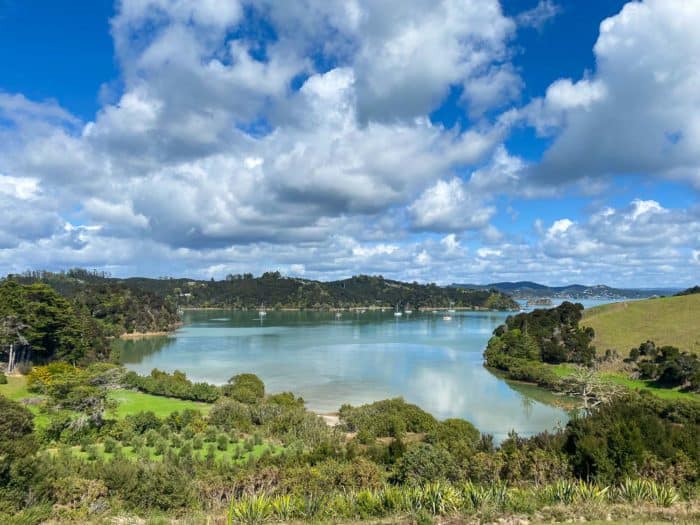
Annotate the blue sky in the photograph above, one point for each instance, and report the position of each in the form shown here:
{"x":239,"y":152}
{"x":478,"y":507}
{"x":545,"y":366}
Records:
{"x":451,"y":140}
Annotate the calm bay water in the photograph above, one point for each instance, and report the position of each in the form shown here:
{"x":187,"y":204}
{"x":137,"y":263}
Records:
{"x":356,"y":359}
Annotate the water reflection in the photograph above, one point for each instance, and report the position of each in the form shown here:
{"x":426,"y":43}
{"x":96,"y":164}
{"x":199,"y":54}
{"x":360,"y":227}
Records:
{"x":356,"y":359}
{"x":135,"y":350}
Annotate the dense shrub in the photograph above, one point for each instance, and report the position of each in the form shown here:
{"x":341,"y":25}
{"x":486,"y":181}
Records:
{"x":173,"y":385}
{"x":667,"y":366}
{"x":75,"y":492}
{"x":17,"y":447}
{"x":143,"y":421}
{"x":380,"y":418}
{"x":332,"y":474}
{"x":230,"y":415}
{"x":422,"y":463}
{"x":458,"y":436}
{"x":180,"y":420}
{"x":629,"y":435}
{"x":3,"y":379}
{"x":245,"y":388}
{"x":158,"y":485}
{"x":520,"y":369}
{"x":285,"y":399}
{"x":552,"y":336}
{"x":57,"y":378}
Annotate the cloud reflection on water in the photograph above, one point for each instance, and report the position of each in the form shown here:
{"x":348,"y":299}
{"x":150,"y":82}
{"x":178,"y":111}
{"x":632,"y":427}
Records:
{"x":430,"y":362}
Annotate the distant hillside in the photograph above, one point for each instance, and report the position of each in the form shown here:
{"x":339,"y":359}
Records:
{"x":667,"y":321}
{"x":275,"y":291}
{"x":529,"y":289}
{"x":690,"y":291}
{"x":118,"y":307}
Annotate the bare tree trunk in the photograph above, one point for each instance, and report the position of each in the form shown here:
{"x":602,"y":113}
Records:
{"x":10,"y":362}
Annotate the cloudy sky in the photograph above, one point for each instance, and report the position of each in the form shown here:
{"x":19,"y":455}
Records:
{"x":428,"y":140}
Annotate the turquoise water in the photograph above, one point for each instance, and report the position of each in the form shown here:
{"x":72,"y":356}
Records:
{"x":356,"y":359}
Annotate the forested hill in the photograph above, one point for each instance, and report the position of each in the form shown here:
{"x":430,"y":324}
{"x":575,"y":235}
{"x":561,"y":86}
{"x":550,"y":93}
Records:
{"x":690,"y":291}
{"x":275,"y":291}
{"x":119,"y":308}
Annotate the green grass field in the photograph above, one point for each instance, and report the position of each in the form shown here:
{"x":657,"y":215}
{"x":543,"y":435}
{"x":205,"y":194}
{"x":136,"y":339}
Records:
{"x":16,"y":389}
{"x":132,"y":402}
{"x":129,"y":402}
{"x":666,"y":321}
{"x":669,"y":394}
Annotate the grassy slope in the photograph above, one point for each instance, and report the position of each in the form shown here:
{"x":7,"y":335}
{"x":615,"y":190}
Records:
{"x":667,"y":321}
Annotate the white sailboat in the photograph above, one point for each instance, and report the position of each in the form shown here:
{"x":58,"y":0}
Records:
{"x":408,"y":310}
{"x":451,"y":310}
{"x":396,"y":312}
{"x":262,"y":312}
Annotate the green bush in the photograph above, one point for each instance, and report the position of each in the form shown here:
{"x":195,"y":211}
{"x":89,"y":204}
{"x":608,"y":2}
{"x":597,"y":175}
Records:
{"x":159,"y":486}
{"x":617,"y":439}
{"x":109,"y":445}
{"x":424,"y":463}
{"x":458,"y":436}
{"x":160,"y":448}
{"x":286,"y":399}
{"x":172,"y":385}
{"x":176,"y":441}
{"x":179,"y":420}
{"x":667,"y":366}
{"x":379,"y":418}
{"x":210,"y":434}
{"x":520,"y":369}
{"x":3,"y":379}
{"x":91,"y":452}
{"x":185,"y":450}
{"x":229,"y":415}
{"x":151,"y":438}
{"x":143,"y":421}
{"x":17,"y":448}
{"x":245,"y":388}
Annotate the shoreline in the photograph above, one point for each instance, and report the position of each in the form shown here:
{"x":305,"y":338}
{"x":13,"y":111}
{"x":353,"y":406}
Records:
{"x":346,"y":309}
{"x":332,"y":419}
{"x":145,"y":335}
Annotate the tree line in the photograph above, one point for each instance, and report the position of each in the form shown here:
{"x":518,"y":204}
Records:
{"x":273,"y":290}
